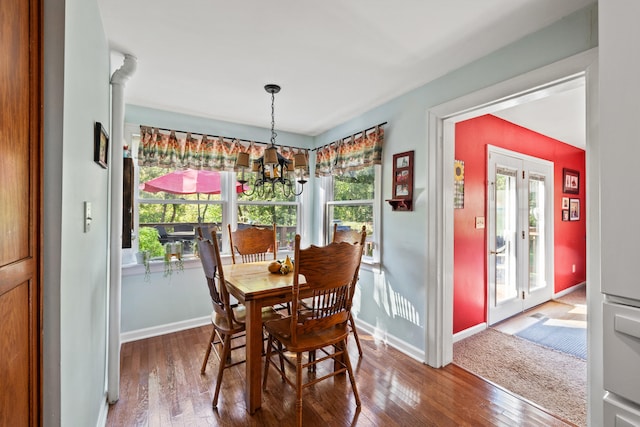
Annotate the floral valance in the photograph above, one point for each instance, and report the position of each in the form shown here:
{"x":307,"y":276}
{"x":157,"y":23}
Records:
{"x":180,"y":150}
{"x":351,"y":153}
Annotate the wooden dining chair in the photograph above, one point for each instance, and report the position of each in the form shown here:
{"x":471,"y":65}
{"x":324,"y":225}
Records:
{"x":253,"y":244}
{"x":228,"y":320}
{"x":330,"y":274}
{"x":353,"y":237}
{"x":349,"y":236}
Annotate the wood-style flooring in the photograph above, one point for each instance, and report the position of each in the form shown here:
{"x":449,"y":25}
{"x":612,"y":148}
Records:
{"x":161,"y":385}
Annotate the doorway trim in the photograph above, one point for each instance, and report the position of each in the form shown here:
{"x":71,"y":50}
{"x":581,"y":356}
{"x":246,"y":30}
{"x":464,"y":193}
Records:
{"x":441,"y":120}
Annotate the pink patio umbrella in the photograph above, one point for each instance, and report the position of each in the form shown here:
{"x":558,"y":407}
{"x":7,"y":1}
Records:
{"x":188,"y":181}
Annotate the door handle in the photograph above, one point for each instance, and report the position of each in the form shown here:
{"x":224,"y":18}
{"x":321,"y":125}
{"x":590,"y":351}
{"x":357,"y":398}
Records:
{"x":499,"y":251}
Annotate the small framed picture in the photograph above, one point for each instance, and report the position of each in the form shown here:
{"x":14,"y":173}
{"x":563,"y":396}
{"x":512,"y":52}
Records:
{"x":565,"y":214}
{"x":565,"y":203}
{"x":402,"y":161}
{"x":574,"y":209}
{"x":403,"y":175}
{"x":570,"y":181}
{"x":100,"y":145}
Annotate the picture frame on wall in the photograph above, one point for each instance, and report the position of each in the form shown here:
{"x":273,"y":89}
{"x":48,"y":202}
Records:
{"x":565,"y":203}
{"x":570,"y":181}
{"x":574,"y":209}
{"x":402,"y":189}
{"x":403,"y":175}
{"x":100,"y":145}
{"x":565,"y":214}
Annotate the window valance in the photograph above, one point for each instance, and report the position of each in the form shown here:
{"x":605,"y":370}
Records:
{"x":351,"y":153}
{"x":182,"y":150}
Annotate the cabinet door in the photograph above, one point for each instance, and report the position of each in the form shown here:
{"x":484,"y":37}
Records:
{"x":20,"y":213}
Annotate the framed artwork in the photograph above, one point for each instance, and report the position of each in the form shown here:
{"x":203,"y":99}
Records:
{"x":100,"y":145}
{"x":570,"y":181}
{"x":565,"y":203}
{"x":574,"y":209}
{"x":403,"y":175}
{"x":565,"y":214}
{"x":458,"y":184}
{"x":402,"y":182}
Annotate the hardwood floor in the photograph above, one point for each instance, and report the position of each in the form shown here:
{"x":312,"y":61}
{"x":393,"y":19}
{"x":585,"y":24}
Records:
{"x":161,"y":385}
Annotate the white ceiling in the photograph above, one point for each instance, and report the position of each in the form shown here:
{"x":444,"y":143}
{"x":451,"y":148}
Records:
{"x":334,"y":59}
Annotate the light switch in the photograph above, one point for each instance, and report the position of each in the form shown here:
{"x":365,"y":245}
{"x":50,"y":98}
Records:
{"x":479,"y":222}
{"x":87,"y":216}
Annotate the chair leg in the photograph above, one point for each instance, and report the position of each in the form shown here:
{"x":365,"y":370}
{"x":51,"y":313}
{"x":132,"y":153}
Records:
{"x":347,"y":362}
{"x":299,"y":389}
{"x":355,"y":333}
{"x":206,"y":355}
{"x":226,"y":352}
{"x":267,"y":358}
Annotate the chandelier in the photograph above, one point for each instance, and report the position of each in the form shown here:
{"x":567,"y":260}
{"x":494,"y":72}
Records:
{"x":273,"y":170}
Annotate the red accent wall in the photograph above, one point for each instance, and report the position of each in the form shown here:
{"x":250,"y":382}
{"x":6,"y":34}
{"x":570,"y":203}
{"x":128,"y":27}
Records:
{"x":470,"y":257}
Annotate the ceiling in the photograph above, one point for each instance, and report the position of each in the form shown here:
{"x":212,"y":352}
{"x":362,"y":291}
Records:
{"x":334,"y":59}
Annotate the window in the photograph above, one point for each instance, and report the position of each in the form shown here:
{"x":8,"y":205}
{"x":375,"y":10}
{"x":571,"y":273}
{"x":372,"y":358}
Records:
{"x":352,"y":202}
{"x":284,"y":212}
{"x":175,"y":214}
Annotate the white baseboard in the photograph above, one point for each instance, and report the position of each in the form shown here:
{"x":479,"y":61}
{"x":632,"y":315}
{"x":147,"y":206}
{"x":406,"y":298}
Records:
{"x":569,"y":290}
{"x":469,"y":331}
{"x":163,"y":329}
{"x":376,"y":333}
{"x":399,"y":345}
{"x":102,"y":416}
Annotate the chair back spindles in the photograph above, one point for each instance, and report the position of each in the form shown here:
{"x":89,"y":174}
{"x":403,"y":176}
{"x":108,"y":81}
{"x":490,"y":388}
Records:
{"x":253,"y":244}
{"x":330,"y":274}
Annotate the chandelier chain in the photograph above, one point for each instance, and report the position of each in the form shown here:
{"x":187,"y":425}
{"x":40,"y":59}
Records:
{"x":273,"y":122}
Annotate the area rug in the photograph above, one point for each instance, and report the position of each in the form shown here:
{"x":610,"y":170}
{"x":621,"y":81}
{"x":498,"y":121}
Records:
{"x":546,"y":332}
{"x":553,"y":380}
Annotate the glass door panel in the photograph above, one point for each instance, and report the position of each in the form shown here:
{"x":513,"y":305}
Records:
{"x":506,"y":211}
{"x":536,"y":232}
{"x":519,"y":239}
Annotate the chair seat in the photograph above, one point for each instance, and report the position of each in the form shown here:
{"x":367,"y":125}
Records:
{"x":240,"y":314}
{"x":281,"y":330}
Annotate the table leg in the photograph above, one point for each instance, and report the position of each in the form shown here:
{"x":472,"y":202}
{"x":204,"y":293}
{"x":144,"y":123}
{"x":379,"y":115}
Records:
{"x":253,"y":391}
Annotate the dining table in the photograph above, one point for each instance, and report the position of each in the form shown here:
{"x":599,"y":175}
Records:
{"x":254,"y":286}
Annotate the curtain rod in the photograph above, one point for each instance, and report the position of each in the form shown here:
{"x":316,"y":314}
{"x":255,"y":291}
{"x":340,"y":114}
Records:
{"x":222,"y":137}
{"x":260,"y":142}
{"x":351,"y":136}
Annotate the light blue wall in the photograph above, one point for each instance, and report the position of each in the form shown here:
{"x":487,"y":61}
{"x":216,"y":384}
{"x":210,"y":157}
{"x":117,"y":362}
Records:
{"x":75,"y":263}
{"x":77,"y":94}
{"x":392,"y":301}
{"x":137,"y":115}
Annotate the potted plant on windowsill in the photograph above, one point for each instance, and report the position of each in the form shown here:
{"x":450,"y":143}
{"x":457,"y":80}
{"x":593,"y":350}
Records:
{"x":149,"y":246}
{"x":172,"y":251}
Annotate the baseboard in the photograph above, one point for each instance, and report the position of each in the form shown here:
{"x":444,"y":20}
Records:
{"x":102,"y":416}
{"x":569,"y":290}
{"x":399,"y":345}
{"x":470,"y":331}
{"x":163,"y":329}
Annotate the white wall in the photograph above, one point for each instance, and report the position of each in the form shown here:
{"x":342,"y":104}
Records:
{"x":76,"y":274}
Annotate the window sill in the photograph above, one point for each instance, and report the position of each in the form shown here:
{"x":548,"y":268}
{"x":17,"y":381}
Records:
{"x":189,"y":262}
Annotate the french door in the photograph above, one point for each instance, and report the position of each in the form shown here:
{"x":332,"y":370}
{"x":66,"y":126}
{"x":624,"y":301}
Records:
{"x":520,"y":233}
